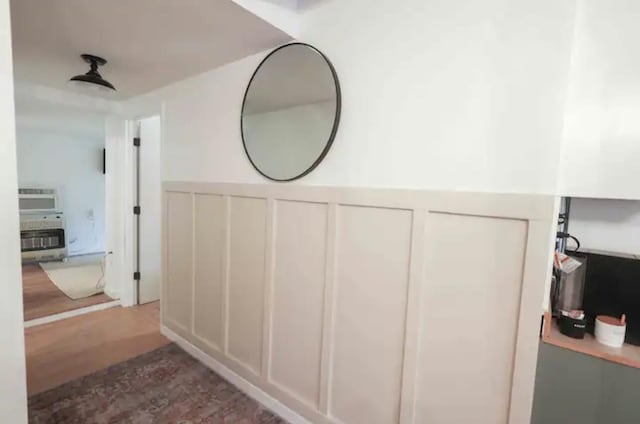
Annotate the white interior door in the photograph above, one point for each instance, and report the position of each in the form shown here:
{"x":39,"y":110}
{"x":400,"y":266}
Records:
{"x":150,"y":196}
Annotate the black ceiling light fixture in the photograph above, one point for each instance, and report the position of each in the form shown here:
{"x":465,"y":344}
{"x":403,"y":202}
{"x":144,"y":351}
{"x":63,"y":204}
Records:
{"x":93,"y":78}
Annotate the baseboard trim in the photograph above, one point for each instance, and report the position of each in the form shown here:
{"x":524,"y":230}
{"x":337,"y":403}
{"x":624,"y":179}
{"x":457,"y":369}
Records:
{"x":245,"y":386}
{"x":70,"y":314}
{"x":79,"y":255}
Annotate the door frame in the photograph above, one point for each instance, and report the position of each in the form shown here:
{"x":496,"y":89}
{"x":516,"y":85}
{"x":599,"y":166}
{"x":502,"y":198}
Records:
{"x":124,"y":247}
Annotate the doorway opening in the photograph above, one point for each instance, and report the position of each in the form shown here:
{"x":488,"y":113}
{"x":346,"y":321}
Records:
{"x":147,"y":193}
{"x":61,"y":178}
{"x":146,"y":54}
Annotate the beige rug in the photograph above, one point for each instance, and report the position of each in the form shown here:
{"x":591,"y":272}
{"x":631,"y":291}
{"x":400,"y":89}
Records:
{"x":77,"y":277}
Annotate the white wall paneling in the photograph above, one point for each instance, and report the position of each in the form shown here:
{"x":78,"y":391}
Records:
{"x":246,"y":283}
{"x":372,"y":262}
{"x":298,"y":290}
{"x":209,"y":276}
{"x":178,"y":292}
{"x":363,"y":305}
{"x":471,"y":301}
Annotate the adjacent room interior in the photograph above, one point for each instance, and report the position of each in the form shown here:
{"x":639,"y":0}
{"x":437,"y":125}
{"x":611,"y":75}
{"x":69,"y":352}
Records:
{"x":61,"y":177}
{"x":320,"y":211}
{"x":591,"y":328}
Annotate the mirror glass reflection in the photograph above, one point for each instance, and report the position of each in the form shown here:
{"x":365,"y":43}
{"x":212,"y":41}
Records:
{"x":290,"y":112}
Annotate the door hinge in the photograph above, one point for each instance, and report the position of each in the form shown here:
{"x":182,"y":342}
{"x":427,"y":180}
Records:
{"x":136,"y":210}
{"x":136,"y":275}
{"x":136,"y":141}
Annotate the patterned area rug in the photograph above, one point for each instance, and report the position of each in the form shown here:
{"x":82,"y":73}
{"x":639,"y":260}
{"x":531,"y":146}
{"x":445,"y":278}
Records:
{"x":163,"y":386}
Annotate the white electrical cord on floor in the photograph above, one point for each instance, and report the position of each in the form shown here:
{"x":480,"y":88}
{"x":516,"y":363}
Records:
{"x":102,"y":282}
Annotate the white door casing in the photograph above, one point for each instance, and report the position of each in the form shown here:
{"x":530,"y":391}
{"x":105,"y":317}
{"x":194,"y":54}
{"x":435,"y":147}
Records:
{"x":13,"y":382}
{"x":150,"y":187}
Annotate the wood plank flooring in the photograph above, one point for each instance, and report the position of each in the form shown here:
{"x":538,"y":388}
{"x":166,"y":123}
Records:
{"x":42,"y":298}
{"x":65,"y":350}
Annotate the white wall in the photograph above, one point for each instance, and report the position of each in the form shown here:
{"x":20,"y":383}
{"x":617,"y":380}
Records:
{"x":601,"y":150}
{"x":605,"y":224}
{"x":440,"y":95}
{"x":73,"y":164}
{"x":13,"y":388}
{"x":449,"y":95}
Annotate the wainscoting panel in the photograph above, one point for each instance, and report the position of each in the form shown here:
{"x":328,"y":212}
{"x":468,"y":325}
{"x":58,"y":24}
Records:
{"x":356,"y":305}
{"x":373,"y":252}
{"x":248,"y":226}
{"x":179,"y":258}
{"x":470,"y":308}
{"x":209,"y":271}
{"x":297,"y":299}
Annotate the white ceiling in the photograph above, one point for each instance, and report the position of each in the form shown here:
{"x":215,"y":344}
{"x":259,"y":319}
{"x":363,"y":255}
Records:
{"x":148,"y":43}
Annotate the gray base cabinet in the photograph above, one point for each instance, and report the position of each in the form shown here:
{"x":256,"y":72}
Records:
{"x":575,"y":388}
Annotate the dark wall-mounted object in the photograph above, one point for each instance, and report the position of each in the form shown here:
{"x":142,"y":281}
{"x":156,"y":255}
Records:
{"x":612,"y":287}
{"x":290,"y":112}
{"x":104,"y":161}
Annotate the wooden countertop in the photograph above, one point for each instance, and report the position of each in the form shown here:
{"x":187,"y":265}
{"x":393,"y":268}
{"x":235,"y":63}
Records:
{"x":628,"y":355}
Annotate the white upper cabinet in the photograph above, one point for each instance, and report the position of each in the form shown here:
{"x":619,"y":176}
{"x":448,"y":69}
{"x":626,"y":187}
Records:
{"x":601,"y":148}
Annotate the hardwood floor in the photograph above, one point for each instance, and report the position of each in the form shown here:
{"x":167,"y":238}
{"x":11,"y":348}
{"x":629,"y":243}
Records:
{"x":65,"y":350}
{"x":42,"y":298}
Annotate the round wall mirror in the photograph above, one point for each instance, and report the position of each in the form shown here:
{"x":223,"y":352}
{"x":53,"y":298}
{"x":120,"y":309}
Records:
{"x":290,"y":112}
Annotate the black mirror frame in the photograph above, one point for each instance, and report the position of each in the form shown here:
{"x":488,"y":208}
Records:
{"x":336,"y":120}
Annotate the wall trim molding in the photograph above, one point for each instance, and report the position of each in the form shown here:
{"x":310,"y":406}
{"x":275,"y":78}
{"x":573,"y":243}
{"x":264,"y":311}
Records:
{"x":396,"y":245}
{"x":71,"y":314}
{"x":245,"y":386}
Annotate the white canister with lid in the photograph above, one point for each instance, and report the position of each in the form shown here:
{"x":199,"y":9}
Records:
{"x":610,"y":331}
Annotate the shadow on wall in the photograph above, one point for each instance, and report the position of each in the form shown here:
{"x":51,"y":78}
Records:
{"x":611,"y":210}
{"x":309,"y":4}
{"x":296,"y":4}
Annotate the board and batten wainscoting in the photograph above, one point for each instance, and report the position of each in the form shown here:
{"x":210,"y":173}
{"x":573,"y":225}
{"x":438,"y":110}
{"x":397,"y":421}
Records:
{"x":348,"y":305}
